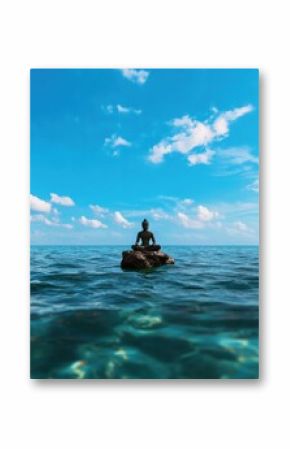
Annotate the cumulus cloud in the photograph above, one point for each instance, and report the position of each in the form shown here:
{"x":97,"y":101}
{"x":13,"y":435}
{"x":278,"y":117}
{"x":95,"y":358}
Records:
{"x":117,"y":141}
{"x":92,"y":223}
{"x":61,"y":200}
{"x":188,"y":222}
{"x":201,"y":158}
{"x":194,"y":134}
{"x":39,"y":218}
{"x":158,"y":152}
{"x":205,"y":214}
{"x":121,"y":220}
{"x":136,"y":76}
{"x":202,"y":217}
{"x":39,"y":205}
{"x":98,"y":210}
{"x":184,"y":122}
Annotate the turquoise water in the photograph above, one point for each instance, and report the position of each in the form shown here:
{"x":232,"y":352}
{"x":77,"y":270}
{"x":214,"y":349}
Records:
{"x":195,"y":319}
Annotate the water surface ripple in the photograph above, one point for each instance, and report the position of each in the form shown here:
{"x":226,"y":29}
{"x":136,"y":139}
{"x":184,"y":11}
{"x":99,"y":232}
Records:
{"x":195,"y":319}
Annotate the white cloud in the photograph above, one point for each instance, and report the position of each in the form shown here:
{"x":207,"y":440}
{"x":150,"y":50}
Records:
{"x":205,"y":214}
{"x":127,"y":110}
{"x":254,"y":186}
{"x":39,"y":205}
{"x":240,"y":226}
{"x":184,"y":121}
{"x":194,"y":134}
{"x":159,"y":214}
{"x":120,"y":141}
{"x":238,"y":155}
{"x":136,"y":76}
{"x":122,"y":109}
{"x":121,"y":220}
{"x":61,"y":200}
{"x":237,"y":112}
{"x":188,"y":222}
{"x":203,"y":217}
{"x":98,"y":210}
{"x":119,"y":108}
{"x":221,"y":124}
{"x":158,"y":152}
{"x":117,"y":141}
{"x":39,"y":218}
{"x":92,"y":223}
{"x":201,"y":158}
{"x":187,"y":202}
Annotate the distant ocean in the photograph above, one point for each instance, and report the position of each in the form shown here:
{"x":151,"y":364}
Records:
{"x":197,"y":319}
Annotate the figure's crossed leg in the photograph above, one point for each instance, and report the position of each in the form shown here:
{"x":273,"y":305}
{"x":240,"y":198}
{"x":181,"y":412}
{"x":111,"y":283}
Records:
{"x":146,"y":248}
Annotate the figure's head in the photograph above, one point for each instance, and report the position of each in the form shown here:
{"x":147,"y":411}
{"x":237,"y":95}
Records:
{"x":145,"y":224}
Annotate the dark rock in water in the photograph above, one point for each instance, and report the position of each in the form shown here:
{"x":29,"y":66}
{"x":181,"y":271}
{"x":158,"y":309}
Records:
{"x":145,"y":258}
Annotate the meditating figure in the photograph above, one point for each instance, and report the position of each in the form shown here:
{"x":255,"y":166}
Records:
{"x":145,"y":236}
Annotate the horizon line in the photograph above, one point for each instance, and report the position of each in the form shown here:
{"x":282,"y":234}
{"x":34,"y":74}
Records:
{"x":120,"y":244}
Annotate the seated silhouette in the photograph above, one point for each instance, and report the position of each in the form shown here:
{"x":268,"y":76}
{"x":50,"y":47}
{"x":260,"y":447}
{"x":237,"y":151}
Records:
{"x":145,"y":236}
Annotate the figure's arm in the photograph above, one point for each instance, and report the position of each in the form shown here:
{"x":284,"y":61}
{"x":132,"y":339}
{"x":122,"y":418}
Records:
{"x":137,"y":238}
{"x":153,"y":238}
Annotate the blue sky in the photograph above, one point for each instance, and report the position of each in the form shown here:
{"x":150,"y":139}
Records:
{"x":112,"y":147}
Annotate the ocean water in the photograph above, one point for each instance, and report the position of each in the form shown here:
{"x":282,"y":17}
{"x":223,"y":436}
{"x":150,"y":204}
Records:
{"x":197,"y":319}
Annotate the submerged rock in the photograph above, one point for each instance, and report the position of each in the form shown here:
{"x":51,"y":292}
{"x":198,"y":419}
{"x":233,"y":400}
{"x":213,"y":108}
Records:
{"x":144,"y":258}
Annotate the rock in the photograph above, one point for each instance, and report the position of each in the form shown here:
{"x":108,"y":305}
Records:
{"x":142,"y":258}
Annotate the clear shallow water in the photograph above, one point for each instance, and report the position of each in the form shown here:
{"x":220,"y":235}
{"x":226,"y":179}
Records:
{"x":195,"y":319}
